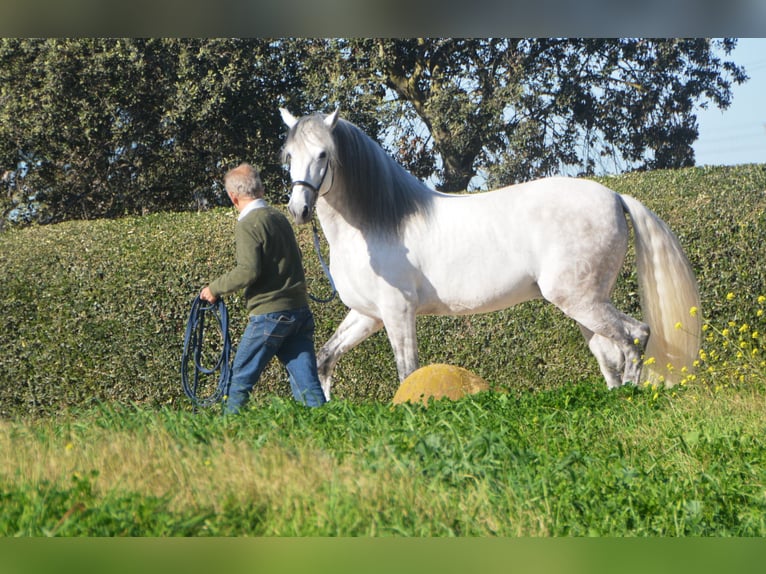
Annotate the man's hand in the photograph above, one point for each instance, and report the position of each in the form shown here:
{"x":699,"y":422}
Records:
{"x":207,"y":295}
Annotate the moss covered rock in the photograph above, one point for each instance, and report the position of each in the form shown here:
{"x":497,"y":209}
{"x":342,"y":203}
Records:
{"x":439,"y":381}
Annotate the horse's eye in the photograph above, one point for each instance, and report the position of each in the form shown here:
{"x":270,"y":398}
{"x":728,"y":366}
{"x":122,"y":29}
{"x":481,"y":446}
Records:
{"x":322,"y":155}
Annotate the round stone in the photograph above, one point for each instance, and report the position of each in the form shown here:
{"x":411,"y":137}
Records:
{"x":439,"y":381}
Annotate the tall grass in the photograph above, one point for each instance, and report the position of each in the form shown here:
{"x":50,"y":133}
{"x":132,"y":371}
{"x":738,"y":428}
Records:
{"x":578,"y":460}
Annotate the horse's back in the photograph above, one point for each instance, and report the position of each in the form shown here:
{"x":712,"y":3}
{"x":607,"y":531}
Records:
{"x":537,"y":216}
{"x":487,"y":251}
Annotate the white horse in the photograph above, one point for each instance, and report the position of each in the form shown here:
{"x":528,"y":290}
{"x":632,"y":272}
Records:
{"x":399,"y":249}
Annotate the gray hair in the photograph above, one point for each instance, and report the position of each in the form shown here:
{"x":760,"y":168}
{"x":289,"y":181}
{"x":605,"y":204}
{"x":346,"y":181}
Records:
{"x":244,"y":181}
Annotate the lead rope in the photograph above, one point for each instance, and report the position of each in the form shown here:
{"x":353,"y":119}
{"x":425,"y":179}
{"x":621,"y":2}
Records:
{"x":192,"y":352}
{"x":325,"y":268}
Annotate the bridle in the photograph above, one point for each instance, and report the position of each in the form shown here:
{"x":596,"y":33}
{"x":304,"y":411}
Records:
{"x":315,"y":188}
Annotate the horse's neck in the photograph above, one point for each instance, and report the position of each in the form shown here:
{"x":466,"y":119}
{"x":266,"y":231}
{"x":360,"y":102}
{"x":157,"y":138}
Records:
{"x":344,"y":231}
{"x":334,"y":225}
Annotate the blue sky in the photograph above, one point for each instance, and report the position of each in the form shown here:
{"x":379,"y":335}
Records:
{"x":738,"y":134}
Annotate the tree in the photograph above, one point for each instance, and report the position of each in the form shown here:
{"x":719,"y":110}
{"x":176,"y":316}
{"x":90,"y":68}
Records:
{"x":515,"y":109}
{"x":107,"y":127}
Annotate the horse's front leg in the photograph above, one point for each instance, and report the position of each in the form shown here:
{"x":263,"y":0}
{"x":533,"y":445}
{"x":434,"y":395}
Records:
{"x":402,"y":334}
{"x":354,"y":329}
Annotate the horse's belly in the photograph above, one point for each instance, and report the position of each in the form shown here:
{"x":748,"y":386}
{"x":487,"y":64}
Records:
{"x":477,"y":293}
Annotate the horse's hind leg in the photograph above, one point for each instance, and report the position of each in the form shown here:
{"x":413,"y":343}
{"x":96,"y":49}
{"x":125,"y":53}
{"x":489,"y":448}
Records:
{"x":614,"y":329}
{"x":354,"y":329}
{"x":600,"y":317}
{"x":611,"y":359}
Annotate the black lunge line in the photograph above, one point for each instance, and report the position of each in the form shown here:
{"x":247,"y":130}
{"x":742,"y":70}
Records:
{"x":192,"y":352}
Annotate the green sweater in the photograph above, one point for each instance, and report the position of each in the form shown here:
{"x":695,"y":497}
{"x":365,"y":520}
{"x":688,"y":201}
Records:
{"x":269,"y":266}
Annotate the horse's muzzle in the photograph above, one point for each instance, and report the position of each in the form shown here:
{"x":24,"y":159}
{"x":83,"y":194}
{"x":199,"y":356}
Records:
{"x":302,"y":201}
{"x":301,"y":215}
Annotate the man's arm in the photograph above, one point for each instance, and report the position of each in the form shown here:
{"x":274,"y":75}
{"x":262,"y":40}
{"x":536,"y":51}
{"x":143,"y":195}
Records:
{"x":246,"y":272}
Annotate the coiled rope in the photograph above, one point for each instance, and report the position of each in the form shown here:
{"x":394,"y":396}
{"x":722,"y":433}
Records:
{"x":193,"y":355}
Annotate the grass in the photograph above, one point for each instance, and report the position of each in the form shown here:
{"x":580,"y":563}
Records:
{"x":579,"y":461}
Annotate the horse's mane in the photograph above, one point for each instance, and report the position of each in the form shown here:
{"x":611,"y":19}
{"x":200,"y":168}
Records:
{"x":378,"y":192}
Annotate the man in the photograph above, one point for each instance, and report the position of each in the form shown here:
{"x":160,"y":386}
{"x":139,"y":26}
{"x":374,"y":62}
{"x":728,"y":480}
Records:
{"x":270,"y":271}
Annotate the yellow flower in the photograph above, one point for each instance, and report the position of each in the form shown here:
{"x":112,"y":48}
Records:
{"x":761,"y":299}
{"x":725,"y":332}
{"x":693,"y":311}
{"x":678,"y":326}
{"x":730,"y":296}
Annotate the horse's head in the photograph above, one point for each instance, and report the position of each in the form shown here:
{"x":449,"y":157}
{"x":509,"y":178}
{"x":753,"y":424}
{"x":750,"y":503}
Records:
{"x":308,"y":151}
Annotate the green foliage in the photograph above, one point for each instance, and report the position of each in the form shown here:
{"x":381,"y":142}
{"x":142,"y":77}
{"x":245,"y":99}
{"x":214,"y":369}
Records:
{"x":515,"y":109}
{"x":107,"y":127}
{"x":110,"y":127}
{"x":96,"y":311}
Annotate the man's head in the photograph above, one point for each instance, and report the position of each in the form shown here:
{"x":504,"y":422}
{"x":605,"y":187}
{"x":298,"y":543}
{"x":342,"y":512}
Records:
{"x":243,"y":183}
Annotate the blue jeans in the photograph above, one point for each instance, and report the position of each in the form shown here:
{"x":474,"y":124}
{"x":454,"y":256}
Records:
{"x":288,"y":335}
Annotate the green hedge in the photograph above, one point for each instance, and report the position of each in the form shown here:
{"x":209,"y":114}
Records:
{"x":95,"y":311}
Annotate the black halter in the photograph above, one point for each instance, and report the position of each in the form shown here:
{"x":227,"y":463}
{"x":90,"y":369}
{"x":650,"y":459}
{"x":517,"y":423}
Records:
{"x":311,"y":186}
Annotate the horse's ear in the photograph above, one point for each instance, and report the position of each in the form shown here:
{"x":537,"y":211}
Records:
{"x":288,"y":118}
{"x":331,"y":119}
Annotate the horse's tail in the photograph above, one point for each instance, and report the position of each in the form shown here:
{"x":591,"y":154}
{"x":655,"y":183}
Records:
{"x":670,"y":299}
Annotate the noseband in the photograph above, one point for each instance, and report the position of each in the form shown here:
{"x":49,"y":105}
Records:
{"x":311,"y":186}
